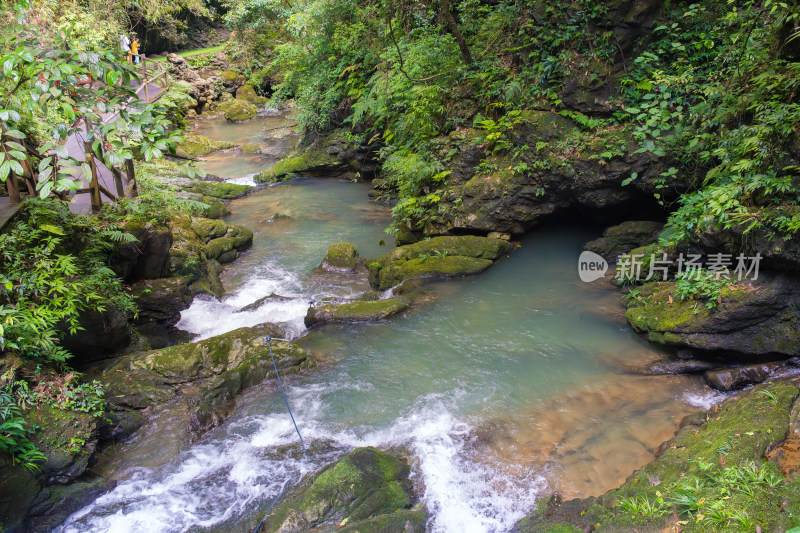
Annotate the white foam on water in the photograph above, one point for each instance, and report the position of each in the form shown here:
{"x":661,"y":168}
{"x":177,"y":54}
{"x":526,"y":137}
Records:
{"x":705,"y":400}
{"x":244,"y":469}
{"x":246,"y":180}
{"x":208,"y":316}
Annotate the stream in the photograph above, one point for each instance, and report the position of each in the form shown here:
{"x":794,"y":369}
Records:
{"x":504,"y":388}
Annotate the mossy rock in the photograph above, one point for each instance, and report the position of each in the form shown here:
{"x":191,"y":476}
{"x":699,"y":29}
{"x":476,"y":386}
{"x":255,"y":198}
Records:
{"x":237,"y":110}
{"x":445,"y":267}
{"x":220,"y":189}
{"x":67,"y":438}
{"x":248,"y":94}
{"x":622,"y":238}
{"x":341,"y":256}
{"x":754,"y":318}
{"x":313,"y":162}
{"x":465,"y":246}
{"x":212,"y":371}
{"x":216,"y":207}
{"x":436,"y":257}
{"x":365,"y":485}
{"x":231,"y":78}
{"x":728,"y":440}
{"x":358,"y":311}
{"x":194,"y":145}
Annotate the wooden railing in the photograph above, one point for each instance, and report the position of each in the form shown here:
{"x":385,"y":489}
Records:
{"x":153,"y":73}
{"x":158,"y":76}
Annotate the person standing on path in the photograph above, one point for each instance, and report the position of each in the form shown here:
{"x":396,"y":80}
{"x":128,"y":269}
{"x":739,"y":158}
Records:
{"x":135,"y":50}
{"x":125,"y":45}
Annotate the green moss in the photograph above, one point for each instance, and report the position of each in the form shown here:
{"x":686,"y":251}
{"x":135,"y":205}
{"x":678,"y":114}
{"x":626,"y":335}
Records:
{"x":659,"y":311}
{"x":220,"y":189}
{"x":342,"y":255}
{"x":358,"y":311}
{"x":230,"y":76}
{"x":439,"y":256}
{"x":216,"y":208}
{"x":364,"y":483}
{"x":311,"y":160}
{"x":449,"y":266}
{"x":198,"y":145}
{"x":237,"y":110}
{"x":466,"y":246}
{"x":248,"y":94}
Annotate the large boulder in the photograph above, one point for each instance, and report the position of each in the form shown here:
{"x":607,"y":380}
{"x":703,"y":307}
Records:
{"x":248,"y":94}
{"x":756,"y":318}
{"x":148,"y":257}
{"x":40,"y":500}
{"x":237,"y":110}
{"x":366,"y":490}
{"x":208,"y":374}
{"x":622,"y":238}
{"x":436,"y":257}
{"x":102,"y":334}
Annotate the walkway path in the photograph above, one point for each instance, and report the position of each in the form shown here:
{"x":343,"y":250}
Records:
{"x":82,"y":203}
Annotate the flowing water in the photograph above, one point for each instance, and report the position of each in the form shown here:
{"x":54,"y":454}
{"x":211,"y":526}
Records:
{"x":501,"y":390}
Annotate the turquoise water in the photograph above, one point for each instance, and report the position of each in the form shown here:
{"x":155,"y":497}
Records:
{"x":237,"y":164}
{"x":503,"y":389}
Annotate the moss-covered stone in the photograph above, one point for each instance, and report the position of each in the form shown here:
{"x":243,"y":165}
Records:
{"x":341,"y":255}
{"x":220,"y":189}
{"x":314,"y":161}
{"x":237,"y":110}
{"x":365,"y":485}
{"x":248,"y":94}
{"x":755,"y":318}
{"x":213,"y":371}
{"x":623,"y":238}
{"x":437,"y":257}
{"x":194,"y":145}
{"x":67,"y":438}
{"x":358,"y":311}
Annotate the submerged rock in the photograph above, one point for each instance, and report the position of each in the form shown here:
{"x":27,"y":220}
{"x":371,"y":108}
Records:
{"x":261,"y":301}
{"x":436,"y":257}
{"x":366,"y":490}
{"x":728,"y":379}
{"x":728,"y":442}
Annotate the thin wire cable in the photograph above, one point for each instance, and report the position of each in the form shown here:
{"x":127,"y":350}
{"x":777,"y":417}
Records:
{"x":303,"y":444}
{"x":283,"y":391}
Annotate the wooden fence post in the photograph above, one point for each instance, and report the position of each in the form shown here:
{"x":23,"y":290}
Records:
{"x":94,"y":185}
{"x":13,"y":188}
{"x":144,"y":76}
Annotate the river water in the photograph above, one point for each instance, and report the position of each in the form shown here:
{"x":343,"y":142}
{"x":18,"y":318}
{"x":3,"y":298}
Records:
{"x":504,"y":388}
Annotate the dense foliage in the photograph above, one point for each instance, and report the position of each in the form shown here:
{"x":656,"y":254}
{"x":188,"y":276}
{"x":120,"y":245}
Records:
{"x":53,"y":268}
{"x":711,"y":88}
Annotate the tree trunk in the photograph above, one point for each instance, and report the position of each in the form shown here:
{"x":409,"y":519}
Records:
{"x":450,"y":23}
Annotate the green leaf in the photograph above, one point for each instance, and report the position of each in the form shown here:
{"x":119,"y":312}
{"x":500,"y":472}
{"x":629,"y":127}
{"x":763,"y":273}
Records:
{"x":55,"y":230}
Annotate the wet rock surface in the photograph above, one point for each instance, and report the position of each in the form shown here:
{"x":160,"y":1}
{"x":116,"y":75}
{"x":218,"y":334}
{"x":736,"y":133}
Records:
{"x":366,"y":490}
